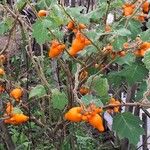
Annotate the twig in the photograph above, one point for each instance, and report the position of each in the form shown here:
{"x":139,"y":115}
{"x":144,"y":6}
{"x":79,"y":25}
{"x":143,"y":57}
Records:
{"x":135,"y":104}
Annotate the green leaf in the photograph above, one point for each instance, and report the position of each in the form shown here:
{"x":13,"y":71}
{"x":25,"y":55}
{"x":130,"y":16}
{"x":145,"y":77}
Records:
{"x":57,"y":17}
{"x":98,"y":13}
{"x":122,"y":32}
{"x":43,"y":4}
{"x":118,"y":43}
{"x":5,"y":25}
{"x":40,"y":31}
{"x":20,"y":4}
{"x":146,"y":60}
{"x":37,"y":91}
{"x":79,"y":17}
{"x":145,"y":35}
{"x":127,"y":59}
{"x":141,"y":89}
{"x":115,"y":79}
{"x":59,"y":99}
{"x":134,"y":73}
{"x":87,"y":99}
{"x":17,"y":110}
{"x":100,"y":85}
{"x":126,"y":125}
{"x":3,"y":28}
{"x":135,"y":28}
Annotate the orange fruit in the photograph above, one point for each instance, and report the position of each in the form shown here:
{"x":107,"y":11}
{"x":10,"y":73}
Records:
{"x":56,"y":48}
{"x":84,"y":90}
{"x":126,"y":45}
{"x":145,"y":7}
{"x":128,"y":9}
{"x":9,"y":108}
{"x":2,"y":72}
{"x":97,"y":122}
{"x":140,"y":53}
{"x":78,"y":44}
{"x":74,"y":114}
{"x":84,"y":118}
{"x":121,"y":53}
{"x":113,"y":55}
{"x":70,"y":25}
{"x":141,"y":18}
{"x":142,"y":50}
{"x":17,"y":119}
{"x":2,"y":59}
{"x":42,"y":13}
{"x":114,"y":109}
{"x":16,"y":93}
{"x":82,"y":26}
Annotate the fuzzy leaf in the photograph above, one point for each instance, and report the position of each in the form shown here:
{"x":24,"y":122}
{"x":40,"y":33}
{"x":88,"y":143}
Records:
{"x":146,"y":60}
{"x":37,"y":91}
{"x":126,"y":125}
{"x":40,"y":31}
{"x":134,"y":73}
{"x":100,"y":85}
{"x":59,"y":99}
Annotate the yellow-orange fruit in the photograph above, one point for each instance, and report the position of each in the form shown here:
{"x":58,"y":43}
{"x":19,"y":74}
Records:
{"x":121,"y":53}
{"x":2,"y":59}
{"x":82,"y":26}
{"x":140,"y":53}
{"x":128,"y":9}
{"x":16,"y":94}
{"x":145,"y":7}
{"x":97,"y":122}
{"x":141,"y":18}
{"x":71,"y":25}
{"x":42,"y":13}
{"x":84,"y":90}
{"x":17,"y":119}
{"x":126,"y":45}
{"x":114,"y":109}
{"x":142,"y":49}
{"x":113,"y":55}
{"x":74,"y":114}
{"x":2,"y":72}
{"x":9,"y":108}
{"x":56,"y":49}
{"x":78,"y":44}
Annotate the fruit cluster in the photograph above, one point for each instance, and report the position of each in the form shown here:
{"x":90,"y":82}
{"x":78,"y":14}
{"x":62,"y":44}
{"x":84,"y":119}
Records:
{"x":129,"y":8}
{"x":10,"y":115}
{"x":14,"y":118}
{"x":140,"y":52}
{"x":92,"y":114}
{"x":75,"y":28}
{"x":89,"y":114}
{"x":116,"y":109}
